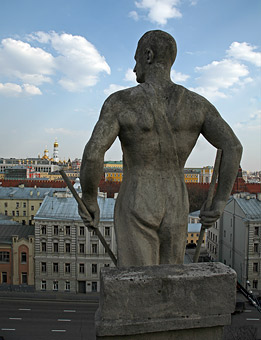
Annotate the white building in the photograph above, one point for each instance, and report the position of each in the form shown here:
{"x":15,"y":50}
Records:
{"x":236,"y":238}
{"x":67,"y":256}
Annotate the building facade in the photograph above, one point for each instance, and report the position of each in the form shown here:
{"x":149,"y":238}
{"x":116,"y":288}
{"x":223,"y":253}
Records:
{"x":236,"y":239}
{"x":21,"y":203}
{"x":67,"y":256}
{"x":16,"y":256}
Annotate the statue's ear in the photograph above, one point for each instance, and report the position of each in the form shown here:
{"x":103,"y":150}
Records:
{"x":149,"y":55}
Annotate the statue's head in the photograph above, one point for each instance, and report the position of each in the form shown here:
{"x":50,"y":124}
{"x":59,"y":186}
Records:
{"x":154,"y":47}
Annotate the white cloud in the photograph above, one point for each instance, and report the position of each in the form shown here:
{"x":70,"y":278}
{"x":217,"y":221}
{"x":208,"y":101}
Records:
{"x":14,"y":90}
{"x":31,"y":89}
{"x":19,"y":60}
{"x":159,"y":11}
{"x":113,"y":88}
{"x":10,"y":89}
{"x":178,"y":76}
{"x":244,"y":51}
{"x":75,"y":63}
{"x":253,"y":122}
{"x":219,"y":76}
{"x":134,"y":15}
{"x":130,"y":76}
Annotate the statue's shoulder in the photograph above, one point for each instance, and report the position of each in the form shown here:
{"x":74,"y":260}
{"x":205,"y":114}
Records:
{"x":124,"y":96}
{"x":191,"y":96}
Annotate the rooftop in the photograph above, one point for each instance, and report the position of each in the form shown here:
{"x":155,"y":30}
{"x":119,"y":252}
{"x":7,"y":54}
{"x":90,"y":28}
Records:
{"x":250,"y":206}
{"x":194,"y":227}
{"x":17,"y":193}
{"x":8,"y":231}
{"x":66,"y":208}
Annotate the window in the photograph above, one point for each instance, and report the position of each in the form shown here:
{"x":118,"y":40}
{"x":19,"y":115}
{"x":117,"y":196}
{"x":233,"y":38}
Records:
{"x":256,"y":231}
{"x":67,"y":268}
{"x":24,"y":213}
{"x":55,"y":229}
{"x":4,"y":256}
{"x":106,"y":265}
{"x":82,"y":248}
{"x":94,"y":286}
{"x":43,"y":230}
{"x":6,"y":204}
{"x":4,"y":277}
{"x":13,"y":213}
{"x":24,"y":278}
{"x":67,"y":286}
{"x":43,"y":267}
{"x":256,"y":247}
{"x":192,"y":235}
{"x":67,"y":247}
{"x":55,"y":267}
{"x":81,"y":231}
{"x":55,"y":285}
{"x":81,"y":268}
{"x":94,"y":248}
{"x":23,"y":257}
{"x":255,"y":284}
{"x":24,"y":204}
{"x":32,"y":208}
{"x":17,"y":205}
{"x":255,"y":267}
{"x":94,"y":268}
{"x":43,"y":246}
{"x":107,"y":231}
{"x":68,"y":230}
{"x":6,"y":213}
{"x":55,"y":247}
{"x":43,"y":285}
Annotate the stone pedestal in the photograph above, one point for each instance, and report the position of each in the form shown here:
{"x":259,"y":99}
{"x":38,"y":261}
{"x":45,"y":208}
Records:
{"x":181,"y":302}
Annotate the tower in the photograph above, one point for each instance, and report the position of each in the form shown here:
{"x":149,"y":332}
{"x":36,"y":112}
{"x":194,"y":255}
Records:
{"x":55,"y":151}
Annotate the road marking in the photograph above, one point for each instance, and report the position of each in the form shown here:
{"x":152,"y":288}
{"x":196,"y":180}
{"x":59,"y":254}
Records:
{"x":247,"y":310}
{"x":253,"y":319}
{"x":15,"y":318}
{"x":58,"y":330}
{"x":66,"y":320}
{"x":7,"y":329}
{"x":24,"y":309}
{"x":69,"y":311}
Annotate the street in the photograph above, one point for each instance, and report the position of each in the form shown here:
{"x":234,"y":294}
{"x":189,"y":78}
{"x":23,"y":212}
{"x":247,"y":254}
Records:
{"x":41,"y":320}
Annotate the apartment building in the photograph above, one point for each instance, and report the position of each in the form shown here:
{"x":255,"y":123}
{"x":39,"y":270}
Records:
{"x":21,"y":203}
{"x":16,"y":256}
{"x":236,"y":239}
{"x":67,"y":256}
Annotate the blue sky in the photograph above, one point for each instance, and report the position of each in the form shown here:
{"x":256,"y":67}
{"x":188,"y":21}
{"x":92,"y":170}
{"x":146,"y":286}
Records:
{"x":59,"y":60}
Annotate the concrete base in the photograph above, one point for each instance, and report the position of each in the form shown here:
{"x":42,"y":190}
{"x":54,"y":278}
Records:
{"x":181,"y":302}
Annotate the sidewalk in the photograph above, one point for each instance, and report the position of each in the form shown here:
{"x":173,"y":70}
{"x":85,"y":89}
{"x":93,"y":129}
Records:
{"x":50,"y":296}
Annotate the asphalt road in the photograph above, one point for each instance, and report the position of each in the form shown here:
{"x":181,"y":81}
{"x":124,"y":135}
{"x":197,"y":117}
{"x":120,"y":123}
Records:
{"x":41,"y":320}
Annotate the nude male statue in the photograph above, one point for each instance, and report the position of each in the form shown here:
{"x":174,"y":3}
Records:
{"x":158,"y":123}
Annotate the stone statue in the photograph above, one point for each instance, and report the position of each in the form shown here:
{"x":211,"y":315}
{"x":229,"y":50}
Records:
{"x":158,"y":123}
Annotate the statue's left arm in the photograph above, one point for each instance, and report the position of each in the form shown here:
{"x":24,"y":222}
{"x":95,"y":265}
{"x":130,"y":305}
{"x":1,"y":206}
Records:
{"x":221,"y":136}
{"x":104,"y":134}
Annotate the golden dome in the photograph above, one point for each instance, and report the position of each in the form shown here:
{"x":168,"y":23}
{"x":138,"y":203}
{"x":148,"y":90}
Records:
{"x":55,"y":144}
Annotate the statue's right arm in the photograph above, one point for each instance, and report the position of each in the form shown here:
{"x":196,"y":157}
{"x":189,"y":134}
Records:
{"x":104,"y":134}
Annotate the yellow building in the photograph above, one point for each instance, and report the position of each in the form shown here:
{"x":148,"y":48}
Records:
{"x":192,"y":175}
{"x":113,"y":164}
{"x":193,"y":233}
{"x":21,"y":204}
{"x":113,"y":174}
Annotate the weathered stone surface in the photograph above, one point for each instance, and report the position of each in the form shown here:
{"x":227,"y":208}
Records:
{"x":158,"y":123}
{"x":211,"y":333}
{"x":141,"y":300}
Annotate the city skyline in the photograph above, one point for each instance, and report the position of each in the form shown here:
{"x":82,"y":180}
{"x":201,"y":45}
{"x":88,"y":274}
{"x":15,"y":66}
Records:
{"x":60,"y":60}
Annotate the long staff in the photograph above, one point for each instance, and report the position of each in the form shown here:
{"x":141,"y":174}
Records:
{"x":84,"y":209}
{"x":208,"y":202}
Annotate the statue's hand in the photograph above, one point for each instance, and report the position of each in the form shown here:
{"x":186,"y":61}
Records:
{"x":91,"y":220}
{"x":209,"y":217}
